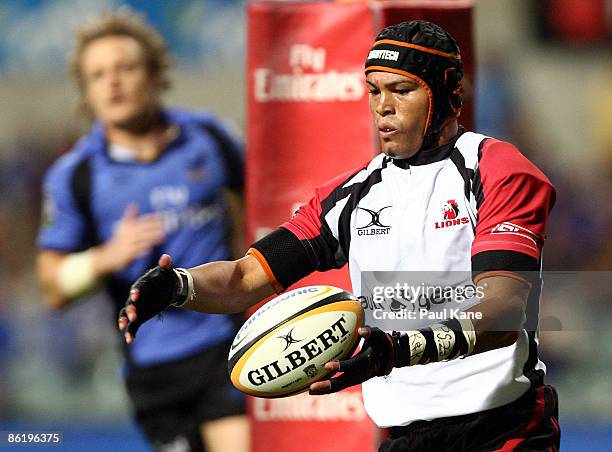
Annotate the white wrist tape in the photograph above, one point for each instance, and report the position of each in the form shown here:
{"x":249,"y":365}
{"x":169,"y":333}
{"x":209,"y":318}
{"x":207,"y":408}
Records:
{"x":467,"y":328}
{"x":189,"y":292}
{"x":445,"y":339}
{"x":76,"y":275}
{"x":439,"y":342}
{"x":417,"y":346}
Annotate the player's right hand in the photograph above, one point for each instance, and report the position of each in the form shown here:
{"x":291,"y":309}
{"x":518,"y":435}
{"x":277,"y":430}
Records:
{"x":375,"y":359}
{"x":134,"y":237}
{"x":153,"y":292}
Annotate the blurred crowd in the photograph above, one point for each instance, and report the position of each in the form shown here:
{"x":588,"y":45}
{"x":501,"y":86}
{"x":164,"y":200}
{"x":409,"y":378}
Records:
{"x":60,"y":363}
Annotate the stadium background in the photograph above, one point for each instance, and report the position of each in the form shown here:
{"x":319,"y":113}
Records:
{"x":544,"y":82}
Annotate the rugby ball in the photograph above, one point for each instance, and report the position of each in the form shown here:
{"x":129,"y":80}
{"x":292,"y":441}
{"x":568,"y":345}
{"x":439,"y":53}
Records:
{"x":282,"y":348}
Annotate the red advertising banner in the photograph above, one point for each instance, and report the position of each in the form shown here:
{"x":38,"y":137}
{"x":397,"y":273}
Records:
{"x":308,"y":114}
{"x":308,"y":121}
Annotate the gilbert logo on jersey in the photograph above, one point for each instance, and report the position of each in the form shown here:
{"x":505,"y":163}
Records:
{"x":451,"y":216}
{"x":374,"y":226}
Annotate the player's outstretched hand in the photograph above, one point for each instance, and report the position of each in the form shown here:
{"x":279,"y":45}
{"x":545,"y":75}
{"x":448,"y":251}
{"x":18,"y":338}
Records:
{"x":153,"y":292}
{"x":375,"y":359}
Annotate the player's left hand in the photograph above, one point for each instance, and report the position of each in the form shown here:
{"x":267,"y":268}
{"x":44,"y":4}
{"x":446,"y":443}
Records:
{"x":375,"y":359}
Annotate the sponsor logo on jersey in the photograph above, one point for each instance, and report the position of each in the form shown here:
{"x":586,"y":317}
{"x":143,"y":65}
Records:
{"x":169,"y":196}
{"x":450,"y":212}
{"x":510,"y":228}
{"x":374,"y":225}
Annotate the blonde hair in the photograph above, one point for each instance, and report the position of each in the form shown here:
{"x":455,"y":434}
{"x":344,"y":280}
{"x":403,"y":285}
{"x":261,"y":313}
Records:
{"x":123,"y":22}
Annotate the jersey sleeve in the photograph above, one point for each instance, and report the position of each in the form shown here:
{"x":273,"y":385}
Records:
{"x":63,"y":225}
{"x":515,"y":201}
{"x":309,"y":241}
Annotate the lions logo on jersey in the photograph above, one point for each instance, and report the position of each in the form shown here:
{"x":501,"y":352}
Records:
{"x":451,"y":216}
{"x":450,"y":209}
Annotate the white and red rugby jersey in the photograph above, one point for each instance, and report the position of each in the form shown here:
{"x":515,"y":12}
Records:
{"x":476,"y":204}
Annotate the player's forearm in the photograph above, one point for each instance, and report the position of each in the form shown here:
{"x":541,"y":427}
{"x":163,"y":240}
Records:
{"x":492,"y":332}
{"x":228,"y":286}
{"x":52,"y":297}
{"x":107,"y":259}
{"x":502,"y":310}
{"x":65,"y":277}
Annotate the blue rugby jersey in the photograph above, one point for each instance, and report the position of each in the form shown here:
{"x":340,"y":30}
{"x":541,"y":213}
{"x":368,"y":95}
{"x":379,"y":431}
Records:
{"x":185,"y":184}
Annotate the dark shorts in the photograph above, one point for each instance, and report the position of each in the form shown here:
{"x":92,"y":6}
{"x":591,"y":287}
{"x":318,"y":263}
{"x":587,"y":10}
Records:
{"x":527,"y":424}
{"x":171,"y":400}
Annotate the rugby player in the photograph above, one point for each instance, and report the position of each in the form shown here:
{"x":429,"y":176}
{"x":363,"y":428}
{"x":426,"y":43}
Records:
{"x":465,"y":384}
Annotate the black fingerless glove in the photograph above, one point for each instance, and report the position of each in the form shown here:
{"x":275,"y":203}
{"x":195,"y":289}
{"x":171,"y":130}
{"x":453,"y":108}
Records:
{"x":381,"y":351}
{"x":375,"y":359}
{"x":159,"y":288}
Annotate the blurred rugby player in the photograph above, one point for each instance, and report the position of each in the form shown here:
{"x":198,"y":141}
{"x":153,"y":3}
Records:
{"x":144,"y":180}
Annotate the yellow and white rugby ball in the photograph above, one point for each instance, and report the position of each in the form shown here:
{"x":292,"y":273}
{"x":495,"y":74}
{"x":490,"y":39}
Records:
{"x":282,"y":348}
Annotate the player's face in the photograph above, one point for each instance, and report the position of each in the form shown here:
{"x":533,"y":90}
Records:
{"x":399,"y":106}
{"x":118,"y":87}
